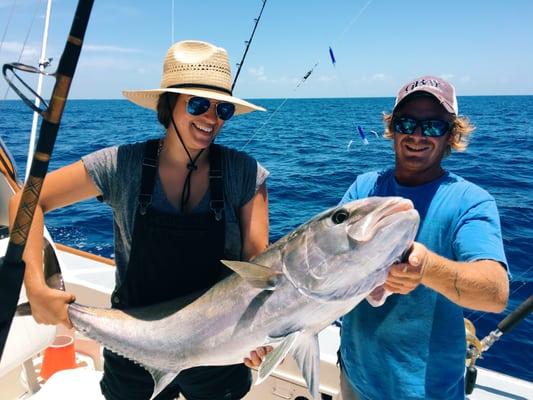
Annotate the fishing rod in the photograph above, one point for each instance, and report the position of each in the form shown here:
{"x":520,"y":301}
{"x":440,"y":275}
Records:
{"x":12,"y":266}
{"x":476,"y":347}
{"x":248,"y":43}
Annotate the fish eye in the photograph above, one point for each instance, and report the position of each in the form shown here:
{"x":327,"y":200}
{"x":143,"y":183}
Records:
{"x":339,"y":216}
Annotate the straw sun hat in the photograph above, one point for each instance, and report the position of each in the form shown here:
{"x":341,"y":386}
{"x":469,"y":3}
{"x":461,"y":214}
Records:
{"x":194,"y":68}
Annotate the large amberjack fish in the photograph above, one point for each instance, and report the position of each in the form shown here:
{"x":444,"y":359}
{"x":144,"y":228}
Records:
{"x":285,"y":296}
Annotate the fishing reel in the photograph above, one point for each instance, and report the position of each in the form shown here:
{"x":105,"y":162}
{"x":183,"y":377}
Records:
{"x":476,"y":347}
{"x":474,"y":350}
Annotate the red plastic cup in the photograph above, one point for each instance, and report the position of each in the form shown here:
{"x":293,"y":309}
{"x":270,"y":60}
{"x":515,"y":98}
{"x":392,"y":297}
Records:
{"x":58,"y":356}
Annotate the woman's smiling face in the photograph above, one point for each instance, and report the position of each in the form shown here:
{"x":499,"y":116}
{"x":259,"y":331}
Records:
{"x":197,"y":131}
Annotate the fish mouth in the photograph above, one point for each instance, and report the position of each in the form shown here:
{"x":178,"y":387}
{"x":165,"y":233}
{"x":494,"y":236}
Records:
{"x":386,"y":214}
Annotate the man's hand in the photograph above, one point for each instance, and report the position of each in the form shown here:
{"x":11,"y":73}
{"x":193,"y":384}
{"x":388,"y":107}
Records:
{"x":256,"y":356}
{"x":405,"y":277}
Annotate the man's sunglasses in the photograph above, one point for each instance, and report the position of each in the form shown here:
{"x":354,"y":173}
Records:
{"x":430,"y":127}
{"x":200,"y":105}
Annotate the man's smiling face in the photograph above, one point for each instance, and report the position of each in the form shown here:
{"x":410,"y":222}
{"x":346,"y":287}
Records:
{"x":418,"y":157}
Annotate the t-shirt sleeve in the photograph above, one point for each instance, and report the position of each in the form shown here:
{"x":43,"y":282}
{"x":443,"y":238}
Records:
{"x":361,"y":188}
{"x":478,"y":235}
{"x":261,"y":176}
{"x":351,"y":194}
{"x":112,"y":170}
{"x":244,"y":176}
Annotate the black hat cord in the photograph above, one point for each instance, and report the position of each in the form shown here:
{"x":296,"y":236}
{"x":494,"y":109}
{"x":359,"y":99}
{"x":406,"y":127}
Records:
{"x":191,"y":166}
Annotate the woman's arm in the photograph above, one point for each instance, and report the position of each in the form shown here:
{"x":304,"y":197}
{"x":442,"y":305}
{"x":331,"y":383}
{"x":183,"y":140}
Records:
{"x":65,"y":186}
{"x":254,"y":228}
{"x":254,"y":224}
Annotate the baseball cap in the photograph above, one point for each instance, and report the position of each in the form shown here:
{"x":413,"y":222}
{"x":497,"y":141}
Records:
{"x":443,"y":91}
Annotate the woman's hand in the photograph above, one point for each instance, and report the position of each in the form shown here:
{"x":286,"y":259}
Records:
{"x":256,"y":356}
{"x":50,"y":306}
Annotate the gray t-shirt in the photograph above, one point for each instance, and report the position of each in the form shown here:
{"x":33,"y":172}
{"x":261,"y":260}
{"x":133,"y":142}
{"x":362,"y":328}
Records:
{"x":116,"y":171}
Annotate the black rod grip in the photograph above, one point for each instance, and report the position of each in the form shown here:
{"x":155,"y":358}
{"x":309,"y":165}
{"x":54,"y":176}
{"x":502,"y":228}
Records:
{"x":69,"y":57}
{"x":513,"y":319}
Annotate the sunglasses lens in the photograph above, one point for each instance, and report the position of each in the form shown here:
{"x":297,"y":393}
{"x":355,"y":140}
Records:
{"x":198,"y":105}
{"x":431,"y":128}
{"x":225,"y":110}
{"x":435,"y":128}
{"x":404,"y":125}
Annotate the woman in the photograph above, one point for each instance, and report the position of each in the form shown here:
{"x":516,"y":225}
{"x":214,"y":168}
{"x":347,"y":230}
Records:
{"x":180,"y":204}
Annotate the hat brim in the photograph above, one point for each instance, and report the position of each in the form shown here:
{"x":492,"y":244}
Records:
{"x":149,"y":98}
{"x":424,"y":92}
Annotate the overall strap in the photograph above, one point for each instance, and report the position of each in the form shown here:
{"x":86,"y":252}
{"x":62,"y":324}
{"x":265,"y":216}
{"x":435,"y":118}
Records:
{"x":216,"y":181}
{"x":149,"y":169}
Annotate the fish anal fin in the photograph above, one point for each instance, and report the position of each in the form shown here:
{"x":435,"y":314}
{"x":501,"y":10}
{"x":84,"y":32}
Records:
{"x":307,"y":356}
{"x":276,"y":356}
{"x":258,"y":276}
{"x":161,"y":379}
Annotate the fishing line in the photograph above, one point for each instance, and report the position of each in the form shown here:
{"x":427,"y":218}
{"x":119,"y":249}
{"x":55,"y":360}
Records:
{"x":302,"y":80}
{"x":340,"y":78}
{"x":354,"y":20}
{"x":172,"y":24}
{"x":309,"y":72}
{"x":7,"y":25}
{"x":24,"y":43}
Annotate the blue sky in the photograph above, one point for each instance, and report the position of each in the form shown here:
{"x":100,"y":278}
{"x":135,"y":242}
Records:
{"x":484,"y":47}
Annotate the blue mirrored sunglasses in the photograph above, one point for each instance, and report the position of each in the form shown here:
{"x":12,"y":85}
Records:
{"x":200,"y":105}
{"x":429,"y":127}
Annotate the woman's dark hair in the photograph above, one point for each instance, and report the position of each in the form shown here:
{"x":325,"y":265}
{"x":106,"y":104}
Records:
{"x":165,"y":106}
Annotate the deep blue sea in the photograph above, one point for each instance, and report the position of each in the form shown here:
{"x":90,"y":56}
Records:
{"x":305,"y":144}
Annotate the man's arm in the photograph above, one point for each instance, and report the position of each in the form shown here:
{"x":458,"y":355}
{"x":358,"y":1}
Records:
{"x":479,"y":285}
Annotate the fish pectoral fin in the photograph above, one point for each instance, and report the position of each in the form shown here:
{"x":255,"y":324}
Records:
{"x":307,"y":356}
{"x":258,"y":276}
{"x":276,"y":356}
{"x":161,"y":379}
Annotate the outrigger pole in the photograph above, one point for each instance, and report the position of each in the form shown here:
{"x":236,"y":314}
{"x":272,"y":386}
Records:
{"x":12,"y":266}
{"x":248,"y":43}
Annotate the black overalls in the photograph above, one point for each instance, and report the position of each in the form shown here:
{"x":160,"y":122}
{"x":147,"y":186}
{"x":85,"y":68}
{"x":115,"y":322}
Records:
{"x":173,"y":256}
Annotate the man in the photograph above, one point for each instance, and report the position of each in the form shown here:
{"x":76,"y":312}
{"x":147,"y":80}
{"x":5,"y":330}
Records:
{"x":413,"y":346}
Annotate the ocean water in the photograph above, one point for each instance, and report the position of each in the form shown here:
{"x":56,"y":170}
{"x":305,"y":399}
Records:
{"x":313,"y":151}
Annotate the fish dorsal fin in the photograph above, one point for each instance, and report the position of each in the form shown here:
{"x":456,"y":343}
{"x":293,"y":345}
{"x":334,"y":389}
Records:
{"x":307,"y":356}
{"x":276,"y":356}
{"x":161,"y":379}
{"x":258,"y":276}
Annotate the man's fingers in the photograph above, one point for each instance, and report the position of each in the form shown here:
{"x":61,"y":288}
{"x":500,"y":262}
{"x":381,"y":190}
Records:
{"x":405,"y":271}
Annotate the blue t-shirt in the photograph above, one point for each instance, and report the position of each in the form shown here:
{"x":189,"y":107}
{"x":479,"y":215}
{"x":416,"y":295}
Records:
{"x":413,"y":347}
